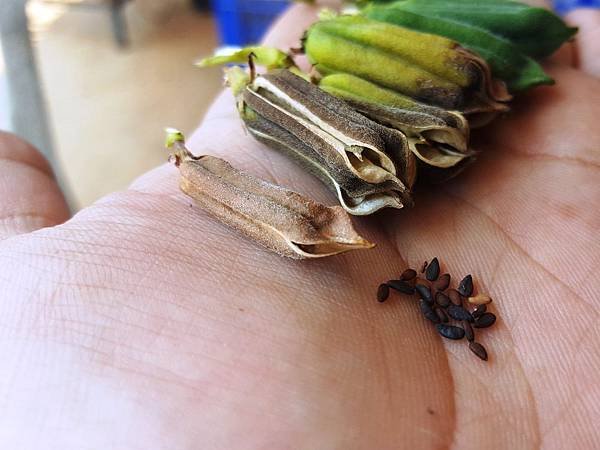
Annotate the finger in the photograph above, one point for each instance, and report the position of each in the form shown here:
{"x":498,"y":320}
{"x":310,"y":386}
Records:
{"x":588,"y":39}
{"x":31,"y":198}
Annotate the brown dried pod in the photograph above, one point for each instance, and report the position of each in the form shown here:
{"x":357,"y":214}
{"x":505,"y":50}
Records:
{"x":369,"y":166}
{"x":442,"y":283}
{"x":479,"y":299}
{"x":383,"y":292}
{"x":279,"y":219}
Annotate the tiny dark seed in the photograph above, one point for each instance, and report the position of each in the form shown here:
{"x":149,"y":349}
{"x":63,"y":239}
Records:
{"x":424,"y":292}
{"x":455,"y":297}
{"x":479,"y":310}
{"x":423,"y":267}
{"x":465,"y":287}
{"x":428,"y":312}
{"x":401,"y":286}
{"x":485,"y":320}
{"x":408,"y":274}
{"x":442,"y":315}
{"x":479,"y":350}
{"x":459,"y":313}
{"x":383,"y":292}
{"x":442,"y":282}
{"x":450,"y":331}
{"x":433,"y":270}
{"x":469,"y":333}
{"x":442,"y":299}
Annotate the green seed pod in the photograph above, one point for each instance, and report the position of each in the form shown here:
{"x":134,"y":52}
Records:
{"x":436,"y":136}
{"x":426,"y":67}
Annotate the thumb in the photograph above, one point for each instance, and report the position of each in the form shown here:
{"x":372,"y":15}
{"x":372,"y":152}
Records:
{"x":30,"y":196}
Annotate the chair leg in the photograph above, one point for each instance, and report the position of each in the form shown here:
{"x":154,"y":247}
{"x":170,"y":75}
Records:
{"x":118,"y":22}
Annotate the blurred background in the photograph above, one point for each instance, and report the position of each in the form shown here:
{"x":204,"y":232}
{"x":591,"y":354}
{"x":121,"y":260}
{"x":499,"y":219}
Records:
{"x":112,"y":74}
{"x":92,"y":83}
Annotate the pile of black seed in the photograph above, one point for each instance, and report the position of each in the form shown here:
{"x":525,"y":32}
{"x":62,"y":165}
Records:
{"x":439,"y":304}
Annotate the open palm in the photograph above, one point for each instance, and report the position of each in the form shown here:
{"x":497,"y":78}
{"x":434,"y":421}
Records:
{"x":141,"y":323}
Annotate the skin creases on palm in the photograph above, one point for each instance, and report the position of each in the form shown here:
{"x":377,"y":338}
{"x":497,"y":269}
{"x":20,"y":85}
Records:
{"x":142,"y":323}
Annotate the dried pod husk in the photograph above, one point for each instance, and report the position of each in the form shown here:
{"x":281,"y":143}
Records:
{"x":369,"y":166}
{"x":279,"y":219}
{"x":436,"y":136}
{"x":426,"y":67}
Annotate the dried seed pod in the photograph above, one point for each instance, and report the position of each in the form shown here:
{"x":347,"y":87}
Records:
{"x":369,"y":166}
{"x":437,"y":137}
{"x":442,"y":283}
{"x":479,"y":350}
{"x":279,"y":219}
{"x":442,"y":299}
{"x":465,"y":287}
{"x":401,"y":286}
{"x":441,"y":315}
{"x":428,"y":311}
{"x":424,"y":292}
{"x":485,"y":320}
{"x":433,"y":270}
{"x":455,"y":297}
{"x":459,"y":313}
{"x":479,"y":299}
{"x":426,"y":67}
{"x":408,"y":275}
{"x":450,"y":331}
{"x":383,"y":292}
{"x":479,"y":310}
{"x":469,"y":333}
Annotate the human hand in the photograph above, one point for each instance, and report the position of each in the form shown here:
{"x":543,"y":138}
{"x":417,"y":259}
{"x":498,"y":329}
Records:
{"x":141,"y":323}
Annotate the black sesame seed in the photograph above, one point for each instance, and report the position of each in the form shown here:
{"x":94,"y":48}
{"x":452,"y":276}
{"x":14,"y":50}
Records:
{"x":383,"y":292}
{"x":442,"y":282}
{"x":479,"y":350}
{"x":465,"y":287}
{"x":450,"y":331}
{"x":485,"y":320}
{"x":479,"y":310}
{"x":408,"y":274}
{"x":424,"y":293}
{"x":401,"y":286}
{"x":455,"y":297}
{"x":469,"y":333}
{"x":433,"y":270}
{"x":459,"y":313}
{"x":442,"y":315}
{"x":442,"y":299}
{"x":423,"y":266}
{"x":428,"y":312}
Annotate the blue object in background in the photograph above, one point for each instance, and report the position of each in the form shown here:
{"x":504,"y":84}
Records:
{"x":564,"y":6}
{"x":243,"y":22}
